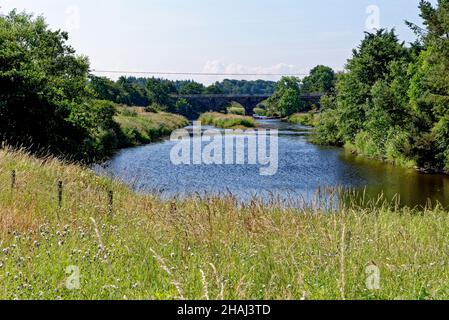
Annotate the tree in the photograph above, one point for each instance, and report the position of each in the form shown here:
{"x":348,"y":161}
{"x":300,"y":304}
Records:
{"x":134,"y":93}
{"x":429,"y":90}
{"x":183,"y":107}
{"x":287,"y":98}
{"x":320,"y":80}
{"x":41,"y":80}
{"x":191,"y":88}
{"x":370,"y":63}
{"x":290,"y":102}
{"x":159,"y":93}
{"x":213,"y":89}
{"x":105,"y":89}
{"x":45,"y":104}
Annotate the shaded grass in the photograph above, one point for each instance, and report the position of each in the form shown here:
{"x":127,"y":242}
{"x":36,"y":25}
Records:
{"x":140,"y":127}
{"x":227,"y":121}
{"x":153,"y":249}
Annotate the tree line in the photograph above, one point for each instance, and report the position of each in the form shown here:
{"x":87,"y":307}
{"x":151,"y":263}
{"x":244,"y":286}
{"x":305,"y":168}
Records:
{"x":50,"y":103}
{"x":392,"y":101}
{"x":134,"y":91}
{"x":45,"y":104}
{"x":286,"y":100}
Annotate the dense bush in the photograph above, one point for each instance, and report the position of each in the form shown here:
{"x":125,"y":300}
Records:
{"x":44,"y":102}
{"x":392,"y":102}
{"x":310,"y":119}
{"x":260,"y":111}
{"x":47,"y":99}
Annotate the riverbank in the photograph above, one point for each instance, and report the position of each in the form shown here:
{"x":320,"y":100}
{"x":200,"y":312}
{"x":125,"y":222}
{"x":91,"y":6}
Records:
{"x":140,"y":127}
{"x":361,"y":147}
{"x":227,"y":121}
{"x":306,"y":119}
{"x":199,"y":248}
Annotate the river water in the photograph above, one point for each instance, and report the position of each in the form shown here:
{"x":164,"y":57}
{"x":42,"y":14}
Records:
{"x":303,"y":169}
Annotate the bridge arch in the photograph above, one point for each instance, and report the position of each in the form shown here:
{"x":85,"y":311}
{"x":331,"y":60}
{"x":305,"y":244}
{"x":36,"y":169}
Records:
{"x":218,"y":102}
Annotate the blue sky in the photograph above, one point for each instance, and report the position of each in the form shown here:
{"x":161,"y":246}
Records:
{"x":231,"y":36}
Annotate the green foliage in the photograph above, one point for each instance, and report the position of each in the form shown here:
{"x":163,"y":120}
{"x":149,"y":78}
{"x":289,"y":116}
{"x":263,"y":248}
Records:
{"x":393,"y":101}
{"x":267,"y":108}
{"x":287,"y":98}
{"x":191,"y":87}
{"x":328,"y":129}
{"x":213,"y":89}
{"x":183,"y":107}
{"x":133,"y":94}
{"x":441,"y":134}
{"x":159,"y":93}
{"x":290,"y":102}
{"x":244,"y":87}
{"x":371,"y":112}
{"x":47,"y":98}
{"x":260,"y":111}
{"x":320,"y":80}
{"x":310,"y":119}
{"x":106,"y":89}
{"x":44,"y":100}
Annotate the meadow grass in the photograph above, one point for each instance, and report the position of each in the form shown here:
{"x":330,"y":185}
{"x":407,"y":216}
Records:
{"x":227,"y":121}
{"x":140,"y":127}
{"x":204,"y":247}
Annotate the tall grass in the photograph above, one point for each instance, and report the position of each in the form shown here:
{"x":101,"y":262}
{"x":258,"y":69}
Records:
{"x":139,"y":127}
{"x":227,"y":121}
{"x":205,"y":247}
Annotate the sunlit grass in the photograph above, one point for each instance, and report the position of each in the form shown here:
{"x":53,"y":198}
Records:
{"x":140,"y":127}
{"x":154,"y":249}
{"x":227,"y":121}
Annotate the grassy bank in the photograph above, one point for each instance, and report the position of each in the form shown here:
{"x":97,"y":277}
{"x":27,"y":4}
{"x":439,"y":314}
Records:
{"x":305,"y":119}
{"x":140,"y":127}
{"x":227,"y":121}
{"x":203,"y":248}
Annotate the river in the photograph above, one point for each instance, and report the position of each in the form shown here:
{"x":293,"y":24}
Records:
{"x":303,"y":169}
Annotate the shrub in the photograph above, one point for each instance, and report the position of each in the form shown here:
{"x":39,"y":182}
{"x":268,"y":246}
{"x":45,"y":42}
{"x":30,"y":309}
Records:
{"x":441,"y":132}
{"x":365,"y":145}
{"x":305,"y":119}
{"x":328,"y":129}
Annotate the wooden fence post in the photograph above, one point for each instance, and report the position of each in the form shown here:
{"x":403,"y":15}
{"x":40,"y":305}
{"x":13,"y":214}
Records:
{"x":13,"y":179}
{"x":60,"y":186}
{"x":111,"y":204}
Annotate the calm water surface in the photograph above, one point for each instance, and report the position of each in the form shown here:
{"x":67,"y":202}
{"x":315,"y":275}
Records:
{"x":303,"y":168}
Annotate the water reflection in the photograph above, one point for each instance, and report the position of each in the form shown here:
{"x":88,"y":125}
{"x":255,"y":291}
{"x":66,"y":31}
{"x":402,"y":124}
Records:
{"x":303,"y":169}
